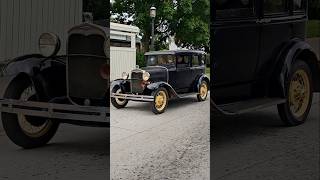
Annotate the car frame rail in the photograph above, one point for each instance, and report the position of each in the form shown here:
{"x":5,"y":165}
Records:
{"x":56,"y":111}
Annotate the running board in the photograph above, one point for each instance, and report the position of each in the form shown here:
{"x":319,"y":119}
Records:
{"x":56,"y":111}
{"x":242,"y":107}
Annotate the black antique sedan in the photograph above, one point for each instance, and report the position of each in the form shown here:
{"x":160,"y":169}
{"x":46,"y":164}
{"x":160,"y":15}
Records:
{"x":260,"y":58}
{"x":169,"y":74}
{"x":40,"y":91}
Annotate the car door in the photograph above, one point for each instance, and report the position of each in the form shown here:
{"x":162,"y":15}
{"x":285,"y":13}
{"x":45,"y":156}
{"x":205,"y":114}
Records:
{"x":235,"y":39}
{"x":279,"y":25}
{"x":198,"y":68}
{"x":183,"y":75}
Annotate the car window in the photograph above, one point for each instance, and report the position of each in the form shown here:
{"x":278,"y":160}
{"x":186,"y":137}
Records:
{"x":196,"y":61}
{"x":275,"y":6}
{"x":234,"y":8}
{"x":183,"y":61}
{"x":160,"y":60}
{"x":299,"y":5}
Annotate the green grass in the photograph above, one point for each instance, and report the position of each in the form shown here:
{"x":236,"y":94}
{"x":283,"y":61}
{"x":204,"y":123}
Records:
{"x":313,"y":28}
{"x":208,"y":72}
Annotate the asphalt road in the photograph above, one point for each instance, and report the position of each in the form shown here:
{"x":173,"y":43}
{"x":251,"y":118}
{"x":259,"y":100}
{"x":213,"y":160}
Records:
{"x":173,"y":145}
{"x":79,"y":153}
{"x":257,"y":146}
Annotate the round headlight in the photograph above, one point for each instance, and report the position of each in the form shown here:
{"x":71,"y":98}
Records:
{"x":125,"y":75}
{"x":146,"y":76}
{"x":49,"y":44}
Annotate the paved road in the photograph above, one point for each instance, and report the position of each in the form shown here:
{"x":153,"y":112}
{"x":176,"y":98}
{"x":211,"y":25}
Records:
{"x":258,"y":146}
{"x":75,"y":153}
{"x":174,"y":145}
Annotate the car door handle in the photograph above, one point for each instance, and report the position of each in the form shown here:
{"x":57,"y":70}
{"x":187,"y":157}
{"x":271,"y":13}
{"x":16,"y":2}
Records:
{"x":263,"y":21}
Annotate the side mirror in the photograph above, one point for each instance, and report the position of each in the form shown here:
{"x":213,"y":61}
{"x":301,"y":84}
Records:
{"x":137,"y":67}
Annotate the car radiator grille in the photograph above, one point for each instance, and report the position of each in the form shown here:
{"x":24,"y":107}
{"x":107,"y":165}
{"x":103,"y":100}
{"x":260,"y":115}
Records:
{"x":136,"y":80}
{"x":86,"y":57}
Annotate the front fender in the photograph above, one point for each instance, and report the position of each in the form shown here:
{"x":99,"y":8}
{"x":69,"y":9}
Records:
{"x":5,"y":83}
{"x":201,"y":78}
{"x":169,"y":88}
{"x":298,"y":50}
{"x":123,"y":84}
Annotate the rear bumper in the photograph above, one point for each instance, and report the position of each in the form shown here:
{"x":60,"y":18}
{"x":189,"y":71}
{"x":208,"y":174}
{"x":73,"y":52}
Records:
{"x":133,"y":97}
{"x":56,"y":111}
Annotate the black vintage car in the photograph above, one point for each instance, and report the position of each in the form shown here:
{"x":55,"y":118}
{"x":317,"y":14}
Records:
{"x":169,"y":74}
{"x":40,"y":91}
{"x":260,"y":58}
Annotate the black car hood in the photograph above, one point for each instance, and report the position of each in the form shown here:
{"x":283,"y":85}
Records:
{"x":157,"y":73}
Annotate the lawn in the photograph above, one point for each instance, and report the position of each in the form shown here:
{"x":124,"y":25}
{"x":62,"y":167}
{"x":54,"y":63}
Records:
{"x":313,"y":28}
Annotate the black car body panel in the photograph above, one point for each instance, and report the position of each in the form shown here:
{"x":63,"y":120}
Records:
{"x":262,"y":47}
{"x":254,"y":47}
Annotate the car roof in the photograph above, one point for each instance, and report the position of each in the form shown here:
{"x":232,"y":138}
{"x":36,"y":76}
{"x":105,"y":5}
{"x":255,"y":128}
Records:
{"x":173,"y":52}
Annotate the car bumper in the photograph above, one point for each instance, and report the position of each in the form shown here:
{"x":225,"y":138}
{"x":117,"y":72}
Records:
{"x":133,"y":97}
{"x":56,"y":111}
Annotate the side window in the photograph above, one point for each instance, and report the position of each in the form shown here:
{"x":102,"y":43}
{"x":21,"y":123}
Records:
{"x":275,"y":7}
{"x":183,"y":61}
{"x":234,"y":8}
{"x":299,"y":5}
{"x":195,"y":61}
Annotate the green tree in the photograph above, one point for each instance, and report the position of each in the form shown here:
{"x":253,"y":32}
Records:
{"x":187,"y":20}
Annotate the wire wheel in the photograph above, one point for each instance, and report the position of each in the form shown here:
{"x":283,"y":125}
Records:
{"x":299,"y":93}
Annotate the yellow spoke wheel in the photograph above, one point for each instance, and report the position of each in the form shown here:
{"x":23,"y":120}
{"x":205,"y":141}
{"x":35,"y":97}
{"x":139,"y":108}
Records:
{"x":203,"y":91}
{"x":160,"y":101}
{"x":299,"y":93}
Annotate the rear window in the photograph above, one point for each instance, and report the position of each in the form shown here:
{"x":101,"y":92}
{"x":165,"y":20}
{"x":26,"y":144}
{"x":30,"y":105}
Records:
{"x":234,"y":8}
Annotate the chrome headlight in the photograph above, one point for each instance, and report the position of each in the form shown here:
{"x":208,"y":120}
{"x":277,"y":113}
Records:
{"x":145,"y":76}
{"x":125,"y":75}
{"x":49,"y":44}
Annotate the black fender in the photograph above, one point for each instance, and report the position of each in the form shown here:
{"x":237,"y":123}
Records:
{"x":201,"y":78}
{"x":296,"y":49}
{"x":122,"y":83}
{"x":167,"y":86}
{"x":31,"y":67}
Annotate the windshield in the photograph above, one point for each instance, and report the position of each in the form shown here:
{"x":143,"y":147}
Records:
{"x":160,"y":60}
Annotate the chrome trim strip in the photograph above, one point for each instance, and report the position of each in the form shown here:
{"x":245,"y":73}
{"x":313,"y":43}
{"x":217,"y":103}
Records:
{"x":133,"y":97}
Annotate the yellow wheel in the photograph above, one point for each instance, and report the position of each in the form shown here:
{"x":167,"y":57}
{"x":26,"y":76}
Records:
{"x":203,"y":91}
{"x":160,"y":102}
{"x":299,"y":95}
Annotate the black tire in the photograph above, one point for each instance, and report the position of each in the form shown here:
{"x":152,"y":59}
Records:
{"x":164,"y":93}
{"x":287,"y":115}
{"x":13,"y":128}
{"x":118,"y":103}
{"x":203,"y":97}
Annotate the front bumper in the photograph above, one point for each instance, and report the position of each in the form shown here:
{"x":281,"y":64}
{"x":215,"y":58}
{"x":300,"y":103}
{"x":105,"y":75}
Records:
{"x":56,"y":111}
{"x":133,"y":97}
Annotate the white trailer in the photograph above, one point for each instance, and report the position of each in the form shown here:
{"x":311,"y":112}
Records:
{"x":23,"y":21}
{"x":123,"y":49}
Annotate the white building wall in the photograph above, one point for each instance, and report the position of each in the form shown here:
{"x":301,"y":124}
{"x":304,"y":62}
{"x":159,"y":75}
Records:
{"x":20,"y":28}
{"x":122,"y":59}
